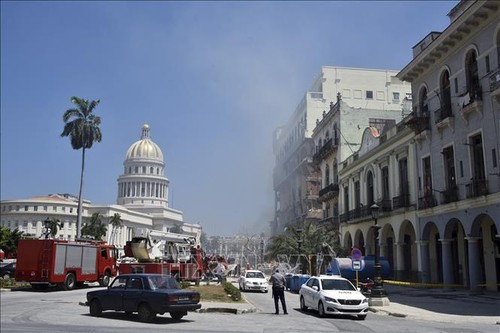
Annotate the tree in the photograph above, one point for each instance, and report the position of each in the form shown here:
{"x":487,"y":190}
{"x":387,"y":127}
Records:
{"x":54,"y":227}
{"x":82,"y":126}
{"x":116,"y":223}
{"x":9,"y":239}
{"x":310,"y":239}
{"x":95,"y":228}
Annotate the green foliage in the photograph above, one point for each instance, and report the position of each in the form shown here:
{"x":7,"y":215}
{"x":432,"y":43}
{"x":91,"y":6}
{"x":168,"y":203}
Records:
{"x":95,"y":228}
{"x":116,"y":221}
{"x":185,"y":284}
{"x":54,"y":227}
{"x":232,"y":290}
{"x":9,"y":239}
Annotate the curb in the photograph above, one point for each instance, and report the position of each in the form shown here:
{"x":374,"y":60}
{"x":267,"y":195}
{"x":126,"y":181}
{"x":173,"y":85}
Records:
{"x":226,"y":310}
{"x":389,"y":313}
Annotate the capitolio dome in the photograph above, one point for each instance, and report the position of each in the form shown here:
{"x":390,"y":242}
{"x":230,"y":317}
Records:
{"x":145,"y":148}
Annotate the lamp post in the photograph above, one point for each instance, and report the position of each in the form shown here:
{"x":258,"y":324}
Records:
{"x":378,"y":294}
{"x":46,"y":225}
{"x":299,"y":245}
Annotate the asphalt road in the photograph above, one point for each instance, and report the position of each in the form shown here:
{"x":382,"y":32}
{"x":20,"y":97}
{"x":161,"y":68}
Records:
{"x":61,"y":311}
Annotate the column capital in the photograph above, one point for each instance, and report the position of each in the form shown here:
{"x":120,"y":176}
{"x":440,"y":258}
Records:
{"x":472,"y":239}
{"x":445,"y":240}
{"x":422,"y":242}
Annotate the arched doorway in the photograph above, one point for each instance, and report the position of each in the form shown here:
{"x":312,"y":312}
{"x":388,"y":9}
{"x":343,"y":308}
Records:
{"x":484,"y":253}
{"x":454,"y":253}
{"x":359,"y":241}
{"x":347,"y":242}
{"x":387,"y":243}
{"x":431,"y":254}
{"x":407,"y":253}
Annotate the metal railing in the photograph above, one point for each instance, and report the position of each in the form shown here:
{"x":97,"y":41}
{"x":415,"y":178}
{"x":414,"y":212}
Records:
{"x":495,"y":80}
{"x":476,"y":188}
{"x":449,"y":195}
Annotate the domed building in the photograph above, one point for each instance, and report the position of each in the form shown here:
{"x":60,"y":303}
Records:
{"x":142,"y":202}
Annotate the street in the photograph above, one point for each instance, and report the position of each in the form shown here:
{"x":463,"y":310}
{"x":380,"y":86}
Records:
{"x":61,"y":311}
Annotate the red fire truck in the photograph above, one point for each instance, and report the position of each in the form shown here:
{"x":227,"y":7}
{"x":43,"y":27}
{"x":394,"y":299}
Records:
{"x":44,"y":262}
{"x":163,"y":253}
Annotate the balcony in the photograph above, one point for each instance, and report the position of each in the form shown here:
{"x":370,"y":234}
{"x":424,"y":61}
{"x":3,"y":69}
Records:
{"x":328,"y":192}
{"x":471,"y":101}
{"x":385,"y":205}
{"x":401,"y":201}
{"x":427,"y":201}
{"x":495,"y":85}
{"x":449,"y":195}
{"x":327,"y":148}
{"x":443,"y":117}
{"x":476,"y":188}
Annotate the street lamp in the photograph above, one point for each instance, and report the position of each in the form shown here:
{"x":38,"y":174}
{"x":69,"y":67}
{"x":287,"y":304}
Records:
{"x":46,"y":225}
{"x":378,"y":291}
{"x":299,"y":245}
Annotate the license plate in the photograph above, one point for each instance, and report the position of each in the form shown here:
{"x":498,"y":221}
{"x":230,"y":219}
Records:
{"x":184,"y":298}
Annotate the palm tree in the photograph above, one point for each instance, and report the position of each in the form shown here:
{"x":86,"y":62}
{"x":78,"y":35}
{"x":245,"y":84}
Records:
{"x":54,"y":227}
{"x":82,"y":126}
{"x":9,"y":239}
{"x":95,"y":228}
{"x":116,"y":222}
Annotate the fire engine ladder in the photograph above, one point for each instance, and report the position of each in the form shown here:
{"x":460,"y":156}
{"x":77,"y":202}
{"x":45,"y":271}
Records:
{"x":44,"y":262}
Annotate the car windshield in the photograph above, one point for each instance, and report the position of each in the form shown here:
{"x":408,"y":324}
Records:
{"x":163,"y":282}
{"x":257,"y":275}
{"x":330,"y":284}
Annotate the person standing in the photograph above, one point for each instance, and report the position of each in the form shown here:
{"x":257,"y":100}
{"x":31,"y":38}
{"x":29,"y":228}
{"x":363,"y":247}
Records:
{"x":278,"y":282}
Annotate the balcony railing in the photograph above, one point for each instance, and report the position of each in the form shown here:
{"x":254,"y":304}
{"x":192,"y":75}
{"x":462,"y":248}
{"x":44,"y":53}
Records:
{"x":385,"y":205}
{"x":476,"y":188}
{"x":449,"y":195}
{"x":442,"y":113}
{"x":400,"y":201}
{"x":495,"y":80}
{"x":427,"y":201}
{"x":329,"y":189}
{"x":325,"y":150}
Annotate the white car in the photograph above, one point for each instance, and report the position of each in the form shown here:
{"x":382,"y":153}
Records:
{"x":253,"y":280}
{"x":332,"y":294}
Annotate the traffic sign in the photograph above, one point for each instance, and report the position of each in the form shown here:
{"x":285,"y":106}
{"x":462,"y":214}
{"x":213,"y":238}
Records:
{"x":356,"y":254}
{"x":356,"y":265}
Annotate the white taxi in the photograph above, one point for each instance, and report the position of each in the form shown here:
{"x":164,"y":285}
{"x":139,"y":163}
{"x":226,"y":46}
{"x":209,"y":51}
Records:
{"x":253,"y":280}
{"x":334,"y":295}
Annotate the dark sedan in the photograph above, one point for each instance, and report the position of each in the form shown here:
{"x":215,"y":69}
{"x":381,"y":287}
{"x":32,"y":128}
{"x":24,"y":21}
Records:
{"x":146,"y":294}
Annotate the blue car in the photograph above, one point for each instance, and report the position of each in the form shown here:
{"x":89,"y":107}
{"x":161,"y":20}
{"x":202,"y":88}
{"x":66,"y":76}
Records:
{"x":146,"y":294}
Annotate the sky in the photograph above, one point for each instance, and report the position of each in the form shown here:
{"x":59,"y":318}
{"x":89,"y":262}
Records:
{"x":212,"y":79}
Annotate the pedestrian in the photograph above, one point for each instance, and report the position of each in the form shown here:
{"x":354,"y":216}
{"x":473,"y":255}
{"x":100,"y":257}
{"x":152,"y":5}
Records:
{"x":219,"y":271}
{"x":278,"y":282}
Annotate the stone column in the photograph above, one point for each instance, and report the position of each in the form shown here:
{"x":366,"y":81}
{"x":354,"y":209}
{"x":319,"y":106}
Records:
{"x":447,"y":263}
{"x":424,"y":261}
{"x":473,"y":261}
{"x":400,"y":260}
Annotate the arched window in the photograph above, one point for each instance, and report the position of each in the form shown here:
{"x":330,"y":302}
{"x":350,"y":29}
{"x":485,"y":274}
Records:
{"x":445,"y":98}
{"x":327,"y":175}
{"x":422,"y":102}
{"x":369,"y":189}
{"x":471,"y":76}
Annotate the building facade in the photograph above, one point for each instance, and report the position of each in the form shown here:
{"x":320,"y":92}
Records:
{"x":142,"y":202}
{"x":305,"y":148}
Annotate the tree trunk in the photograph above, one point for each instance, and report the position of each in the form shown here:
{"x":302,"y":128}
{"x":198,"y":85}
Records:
{"x":80,"y":199}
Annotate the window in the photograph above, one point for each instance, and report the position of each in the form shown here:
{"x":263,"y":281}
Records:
{"x":17,"y":208}
{"x":54,"y":208}
{"x":151,"y":170}
{"x":71,"y":210}
{"x":136,"y":170}
{"x":3,"y":208}
{"x":487,"y":61}
{"x":427,"y":176}
{"x":404,"y":191}
{"x":327,"y":175}
{"x":478,"y":172}
{"x":357,"y":195}
{"x":471,"y":74}
{"x":369,"y":94}
{"x":395,"y":96}
{"x":346,"y":199}
{"x":385,"y":183}
{"x":25,"y":208}
{"x":61,"y":225}
{"x":143,"y":169}
{"x":63,"y":209}
{"x":449,"y":172}
{"x":445,"y":99}
{"x":369,"y":189}
{"x":45,"y":208}
{"x":494,"y":157}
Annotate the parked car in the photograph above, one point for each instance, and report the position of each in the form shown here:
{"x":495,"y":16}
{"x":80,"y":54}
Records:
{"x":332,"y":294}
{"x":7,"y":270}
{"x":253,"y":280}
{"x":146,"y":294}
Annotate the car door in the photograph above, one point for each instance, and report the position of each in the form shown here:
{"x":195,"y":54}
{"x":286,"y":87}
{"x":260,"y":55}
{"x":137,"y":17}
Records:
{"x":133,"y":293}
{"x":112,"y":299}
{"x":316,"y":293}
{"x":308,"y":292}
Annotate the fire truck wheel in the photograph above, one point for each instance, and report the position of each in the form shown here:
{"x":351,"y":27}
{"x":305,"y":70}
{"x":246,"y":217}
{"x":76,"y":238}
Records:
{"x":104,"y":282}
{"x":69,"y":281}
{"x":95,"y":308}
{"x":145,"y":314}
{"x":177,"y":315}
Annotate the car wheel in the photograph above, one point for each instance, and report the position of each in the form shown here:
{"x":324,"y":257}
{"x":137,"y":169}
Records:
{"x":177,"y":315}
{"x":69,"y":281}
{"x":105,"y":279}
{"x":95,"y":308}
{"x":303,"y":306}
{"x":145,"y":314}
{"x":361,"y":317}
{"x":321,"y":309}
